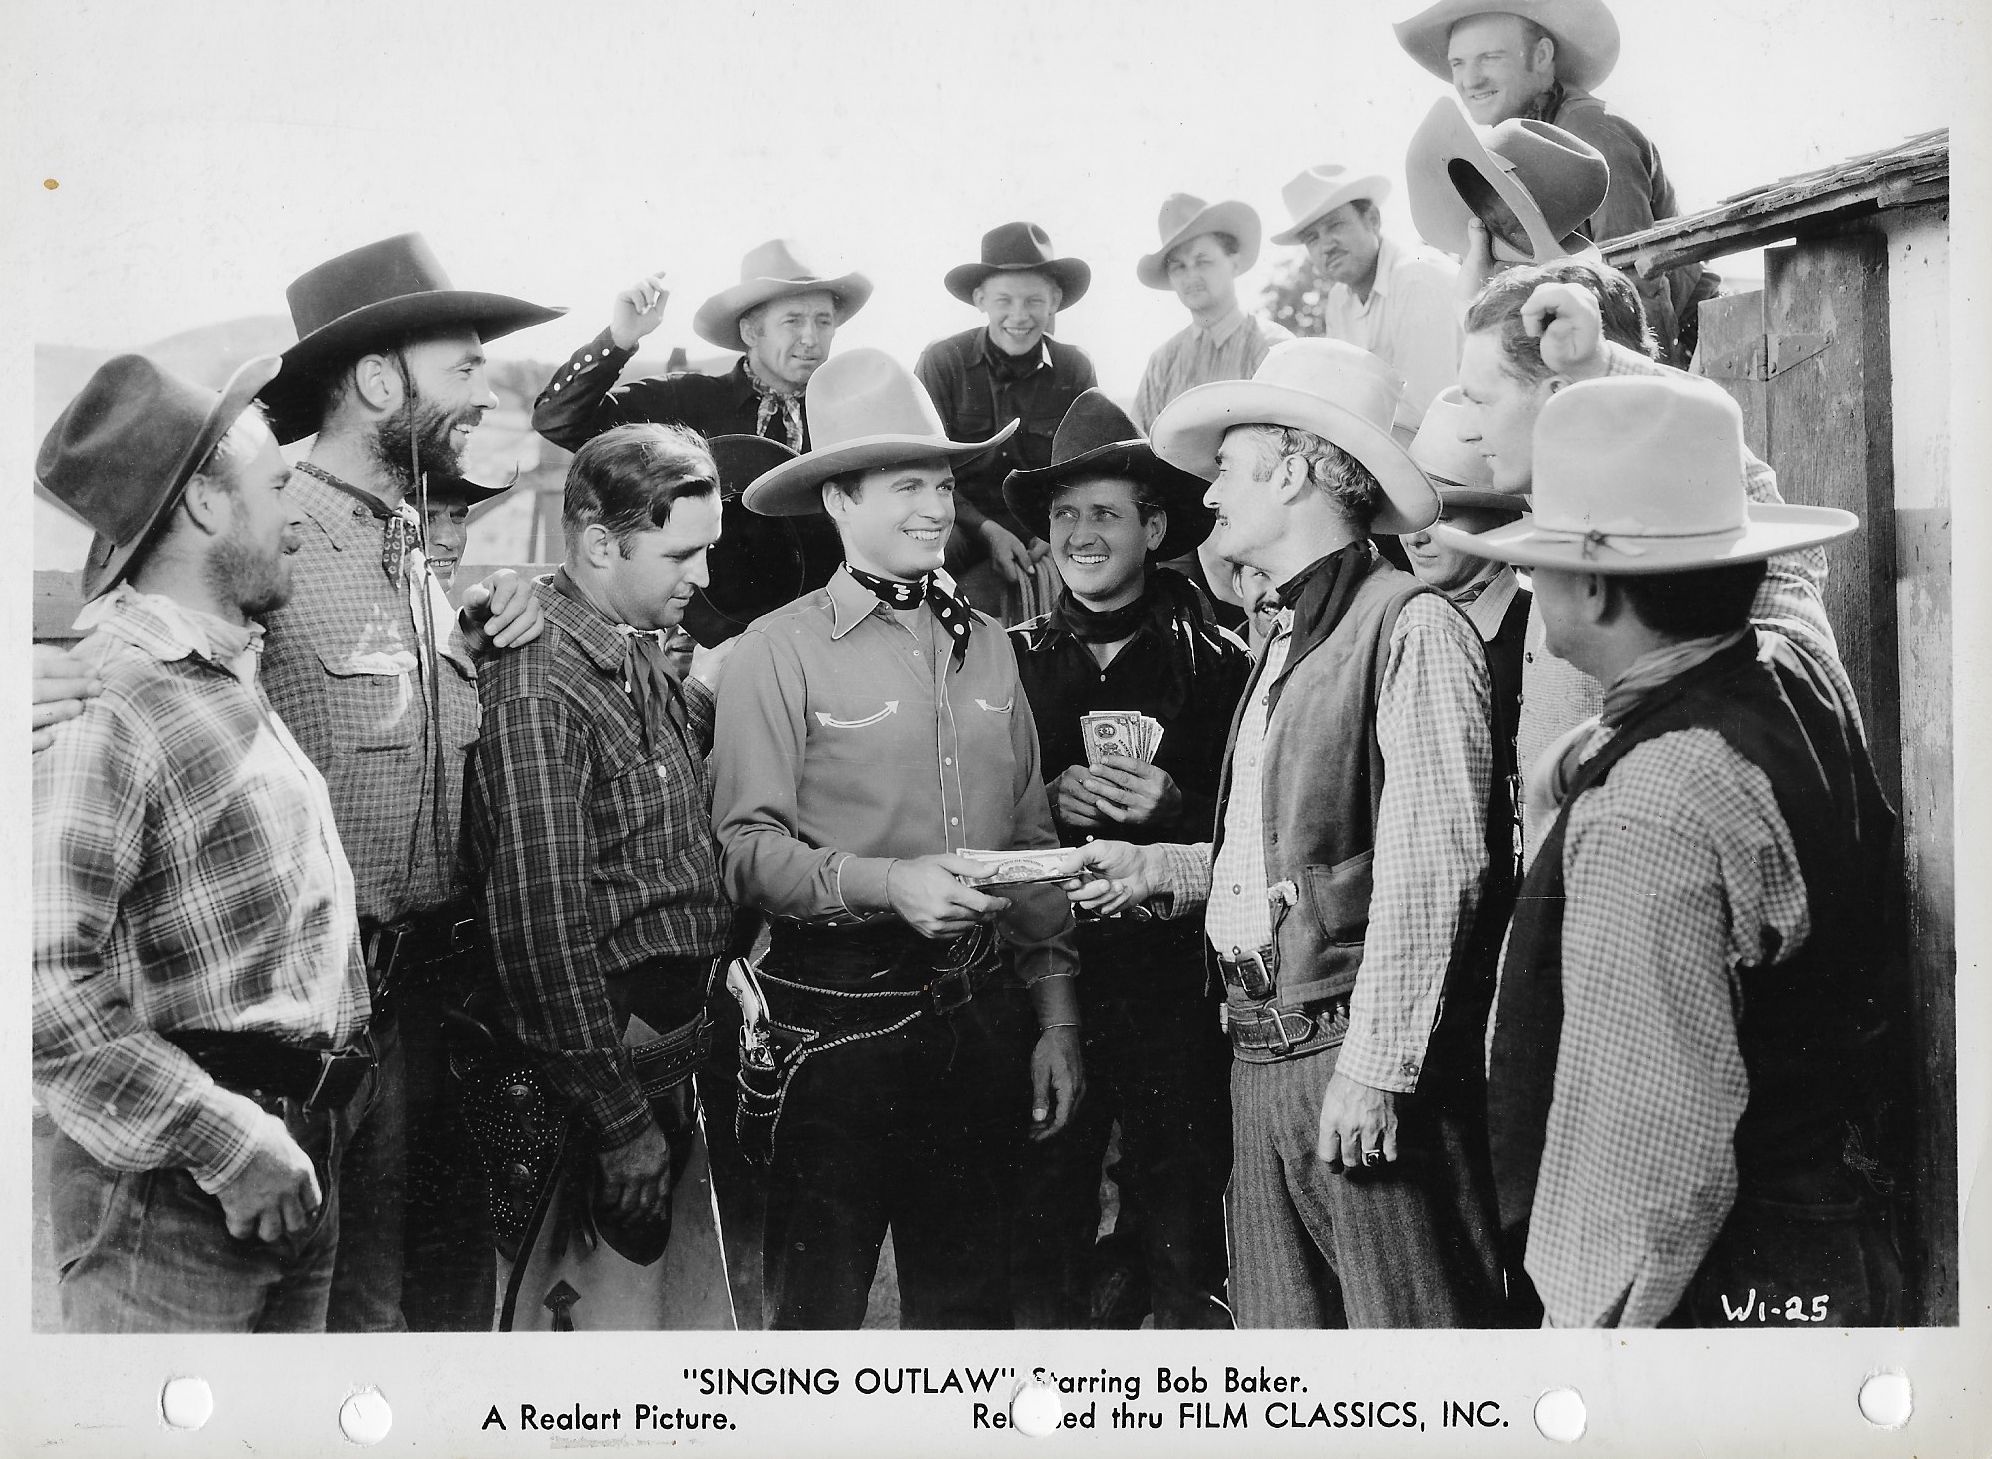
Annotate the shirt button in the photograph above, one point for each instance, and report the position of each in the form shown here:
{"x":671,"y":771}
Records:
{"x":1237,"y":891}
{"x":954,"y":820}
{"x":947,"y":759}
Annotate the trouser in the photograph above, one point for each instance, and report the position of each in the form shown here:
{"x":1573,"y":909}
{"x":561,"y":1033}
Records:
{"x":1411,"y":1243}
{"x":449,"y":1263}
{"x":1157,"y":1062}
{"x":150,"y":1251}
{"x":373,"y":1177}
{"x":737,"y":1190}
{"x":917,"y":1132}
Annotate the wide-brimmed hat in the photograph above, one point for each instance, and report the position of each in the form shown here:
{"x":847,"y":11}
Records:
{"x":774,"y":270}
{"x":759,"y":562}
{"x":1184,"y":217}
{"x":372,"y":298}
{"x":1552,"y":180}
{"x":864,"y":409}
{"x":1343,"y":394}
{"x":1011,"y":247}
{"x":1459,"y":472}
{"x":1644,"y":474}
{"x":1586,"y":36}
{"x":1096,"y":438}
{"x":1319,"y":191}
{"x":462,"y":488}
{"x":121,"y":453}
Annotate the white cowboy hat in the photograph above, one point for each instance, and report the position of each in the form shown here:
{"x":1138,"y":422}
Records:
{"x":1551,"y":180}
{"x":1644,"y":475}
{"x":1343,"y":394}
{"x":1320,"y":190}
{"x":1586,"y":36}
{"x":864,"y":409}
{"x":1461,"y":473}
{"x":773,"y":270}
{"x":1184,"y":217}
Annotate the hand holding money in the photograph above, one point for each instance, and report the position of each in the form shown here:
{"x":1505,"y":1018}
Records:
{"x":1134,"y":792}
{"x":1112,"y":876}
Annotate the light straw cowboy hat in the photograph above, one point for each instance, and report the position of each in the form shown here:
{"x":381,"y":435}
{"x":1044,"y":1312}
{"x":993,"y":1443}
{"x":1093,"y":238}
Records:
{"x":1318,"y":191}
{"x":373,"y":298}
{"x":1096,"y":439}
{"x":1020,"y":247}
{"x":1343,"y":394}
{"x":1645,"y":475}
{"x":1459,"y":471}
{"x":770,"y":271}
{"x":1551,"y":180}
{"x":1184,"y":217}
{"x":865,"y":409}
{"x":1586,"y":36}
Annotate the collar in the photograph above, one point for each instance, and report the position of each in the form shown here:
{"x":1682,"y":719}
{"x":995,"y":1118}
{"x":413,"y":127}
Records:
{"x":1221,"y":331}
{"x":850,"y":602}
{"x":601,"y":639}
{"x":1486,"y":611}
{"x":340,"y":509}
{"x":1651,"y":672}
{"x":170,"y":630}
{"x":1388,"y":255}
{"x":990,"y":354}
{"x":1545,"y":107}
{"x":757,"y":384}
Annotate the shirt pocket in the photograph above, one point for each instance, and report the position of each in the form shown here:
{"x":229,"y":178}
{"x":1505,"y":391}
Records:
{"x":1338,"y":898}
{"x":373,"y":697}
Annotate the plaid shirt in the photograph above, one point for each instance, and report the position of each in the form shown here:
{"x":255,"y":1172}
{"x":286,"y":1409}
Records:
{"x":589,"y":859}
{"x":343,"y":666}
{"x":186,"y":876}
{"x":1677,"y":869}
{"x":1432,"y":721}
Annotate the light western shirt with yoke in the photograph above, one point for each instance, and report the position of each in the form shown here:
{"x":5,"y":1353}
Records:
{"x":1409,"y":320}
{"x":1230,"y":349}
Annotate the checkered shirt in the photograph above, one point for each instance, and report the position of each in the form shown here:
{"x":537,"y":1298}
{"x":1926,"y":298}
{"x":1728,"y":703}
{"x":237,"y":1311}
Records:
{"x":186,"y":875}
{"x":1677,"y":869}
{"x":1432,"y":718}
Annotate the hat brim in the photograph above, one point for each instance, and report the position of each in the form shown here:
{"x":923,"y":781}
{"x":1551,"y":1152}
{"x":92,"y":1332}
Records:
{"x":108,"y":563}
{"x":1476,"y":498}
{"x":1374,"y":186}
{"x":1586,"y":35}
{"x":1232,"y":217}
{"x":1438,"y":211}
{"x":463,"y":488}
{"x":1770,"y":530}
{"x":1191,"y":426}
{"x":792,"y":488}
{"x":717,"y":321}
{"x":292,"y":398}
{"x":1072,"y":275}
{"x":1029,"y":493}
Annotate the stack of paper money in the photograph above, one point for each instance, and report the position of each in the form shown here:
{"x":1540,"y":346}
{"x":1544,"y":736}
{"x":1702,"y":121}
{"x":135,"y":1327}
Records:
{"x":1012,"y":868}
{"x":1120,"y":732}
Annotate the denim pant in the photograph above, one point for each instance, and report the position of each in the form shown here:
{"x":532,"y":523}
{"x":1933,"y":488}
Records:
{"x":1411,"y":1243}
{"x":373,"y":1177}
{"x":916,"y":1131}
{"x":150,"y":1251}
{"x":449,"y":1265}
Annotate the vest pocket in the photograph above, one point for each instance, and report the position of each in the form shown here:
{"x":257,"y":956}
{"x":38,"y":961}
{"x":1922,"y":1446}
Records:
{"x":1338,"y":898}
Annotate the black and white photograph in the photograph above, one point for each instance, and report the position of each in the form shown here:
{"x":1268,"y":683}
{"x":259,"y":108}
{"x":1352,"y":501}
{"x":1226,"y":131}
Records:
{"x":900,"y":726}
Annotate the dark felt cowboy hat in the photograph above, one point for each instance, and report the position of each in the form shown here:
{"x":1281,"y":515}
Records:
{"x":463,"y":489}
{"x":1096,"y":439}
{"x":121,"y":453}
{"x":1019,"y":246}
{"x":759,"y":563}
{"x":372,"y":298}
{"x":1551,"y":180}
{"x":770,"y":271}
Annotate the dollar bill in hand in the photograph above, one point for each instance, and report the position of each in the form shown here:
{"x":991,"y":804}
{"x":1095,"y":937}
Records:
{"x":1014,"y":868}
{"x":1111,"y":732}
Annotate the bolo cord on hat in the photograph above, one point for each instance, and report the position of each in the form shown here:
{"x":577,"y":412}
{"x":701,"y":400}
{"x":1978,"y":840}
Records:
{"x":431,"y":667}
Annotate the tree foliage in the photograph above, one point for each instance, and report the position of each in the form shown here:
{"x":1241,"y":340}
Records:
{"x":1293,"y":297}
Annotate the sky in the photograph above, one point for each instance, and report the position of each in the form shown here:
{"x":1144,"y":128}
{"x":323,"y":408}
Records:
{"x":178,"y":165}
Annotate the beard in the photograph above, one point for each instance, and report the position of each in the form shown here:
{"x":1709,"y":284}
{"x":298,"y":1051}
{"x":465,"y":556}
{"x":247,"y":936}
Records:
{"x":429,"y":433}
{"x":256,"y":582}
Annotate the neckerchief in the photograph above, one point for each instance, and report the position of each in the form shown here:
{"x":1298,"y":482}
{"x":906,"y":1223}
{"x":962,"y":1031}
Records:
{"x":935,"y":590}
{"x":401,"y":535}
{"x":1090,"y":625}
{"x":787,"y":404}
{"x":647,"y":678}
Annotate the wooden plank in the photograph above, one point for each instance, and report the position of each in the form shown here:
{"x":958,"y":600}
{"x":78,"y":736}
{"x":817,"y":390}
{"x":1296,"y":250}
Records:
{"x":1732,"y":337}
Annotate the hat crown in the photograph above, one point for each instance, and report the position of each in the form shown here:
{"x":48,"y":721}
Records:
{"x":1335,"y":371}
{"x":1640,"y":456}
{"x":778,"y":258}
{"x":390,"y":269}
{"x":1016,"y":245}
{"x":1306,"y":193}
{"x":115,"y":445}
{"x":1090,"y":422}
{"x":1177,"y":211}
{"x":866,"y":392}
{"x":1565,"y":175}
{"x":1441,"y":453}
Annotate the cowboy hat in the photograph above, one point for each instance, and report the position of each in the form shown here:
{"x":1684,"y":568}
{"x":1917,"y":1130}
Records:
{"x":759,"y":563}
{"x":1644,"y":474}
{"x":1343,"y":394}
{"x":1097,"y":439}
{"x":1551,"y":180}
{"x":1318,"y":191}
{"x":1459,"y":472}
{"x":1586,"y":36}
{"x":1184,"y":217}
{"x":864,"y":409}
{"x":1020,"y":247}
{"x":121,"y":453}
{"x":462,"y":488}
{"x":774,"y":270}
{"x":374,"y":298}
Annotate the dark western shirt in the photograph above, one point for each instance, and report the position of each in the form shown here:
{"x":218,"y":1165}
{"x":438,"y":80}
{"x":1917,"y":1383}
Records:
{"x":583,"y":399}
{"x":591,"y":858}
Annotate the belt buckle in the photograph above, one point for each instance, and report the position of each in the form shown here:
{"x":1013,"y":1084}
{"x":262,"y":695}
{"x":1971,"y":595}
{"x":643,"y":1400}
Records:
{"x":1253,"y":987}
{"x":339,"y":1076}
{"x":949,"y":991}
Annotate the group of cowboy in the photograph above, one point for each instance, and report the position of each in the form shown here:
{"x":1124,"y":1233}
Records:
{"x":1483,"y":946}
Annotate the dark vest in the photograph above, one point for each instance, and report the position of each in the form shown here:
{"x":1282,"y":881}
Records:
{"x":1808,"y":1026}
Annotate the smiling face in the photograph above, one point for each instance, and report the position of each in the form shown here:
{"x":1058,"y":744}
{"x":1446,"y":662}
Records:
{"x":895,"y":524}
{"x":451,"y":396}
{"x":1204,"y":274}
{"x":649,"y":576}
{"x":788,"y":338}
{"x":1496,"y":70}
{"x":1100,"y":541}
{"x":1343,"y":244}
{"x":1500,"y":414}
{"x":1251,"y":519}
{"x":1022,"y":307}
{"x":445,"y":532}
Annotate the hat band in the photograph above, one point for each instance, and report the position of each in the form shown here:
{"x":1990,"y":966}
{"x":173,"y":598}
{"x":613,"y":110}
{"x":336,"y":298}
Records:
{"x":1596,"y":540}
